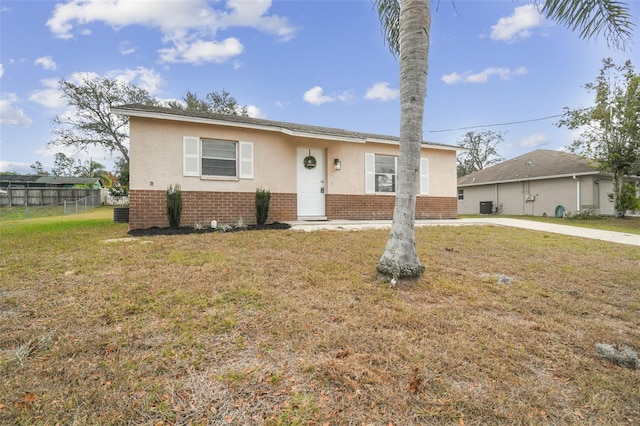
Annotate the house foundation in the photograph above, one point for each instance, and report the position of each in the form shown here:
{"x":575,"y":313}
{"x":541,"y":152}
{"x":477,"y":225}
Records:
{"x":147,"y":208}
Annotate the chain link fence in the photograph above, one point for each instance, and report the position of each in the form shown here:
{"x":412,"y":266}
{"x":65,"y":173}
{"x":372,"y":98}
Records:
{"x":66,"y":207}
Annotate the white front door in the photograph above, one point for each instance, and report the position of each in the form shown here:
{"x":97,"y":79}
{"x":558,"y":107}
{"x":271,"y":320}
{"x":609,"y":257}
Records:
{"x":311,"y":184}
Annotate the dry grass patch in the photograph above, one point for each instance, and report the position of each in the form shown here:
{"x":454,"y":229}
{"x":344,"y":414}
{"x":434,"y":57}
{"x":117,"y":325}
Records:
{"x":285,"y":327}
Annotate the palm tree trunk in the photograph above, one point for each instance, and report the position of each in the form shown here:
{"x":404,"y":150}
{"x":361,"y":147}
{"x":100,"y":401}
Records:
{"x":400,"y":258}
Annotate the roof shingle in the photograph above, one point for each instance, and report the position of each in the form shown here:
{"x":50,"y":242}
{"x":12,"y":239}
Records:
{"x":540,"y":163}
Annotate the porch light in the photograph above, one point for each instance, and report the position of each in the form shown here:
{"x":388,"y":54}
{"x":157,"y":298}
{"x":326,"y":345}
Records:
{"x":337,"y":164}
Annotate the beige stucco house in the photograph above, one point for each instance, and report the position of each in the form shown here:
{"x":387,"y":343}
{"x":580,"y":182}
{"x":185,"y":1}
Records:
{"x":542,"y":182}
{"x":312,"y":172}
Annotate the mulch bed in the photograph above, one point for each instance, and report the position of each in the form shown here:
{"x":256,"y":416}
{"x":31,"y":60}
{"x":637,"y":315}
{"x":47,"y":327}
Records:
{"x":185,"y":230}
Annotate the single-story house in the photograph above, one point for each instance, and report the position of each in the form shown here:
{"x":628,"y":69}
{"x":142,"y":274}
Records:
{"x":30,"y":190}
{"x":542,"y":182}
{"x":312,"y":172}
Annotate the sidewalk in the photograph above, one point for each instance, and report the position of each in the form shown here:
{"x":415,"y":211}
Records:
{"x":575,"y":231}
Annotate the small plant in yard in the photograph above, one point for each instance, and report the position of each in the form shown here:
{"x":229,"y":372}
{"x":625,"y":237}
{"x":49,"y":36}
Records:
{"x":584,"y":215}
{"x":174,"y":205}
{"x":197,"y":226}
{"x":241,"y":224}
{"x":223,"y":227}
{"x":263,"y":198}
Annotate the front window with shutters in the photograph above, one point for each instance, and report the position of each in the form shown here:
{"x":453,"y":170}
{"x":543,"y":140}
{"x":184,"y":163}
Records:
{"x":219,"y":158}
{"x":381,"y":174}
{"x":385,"y":173}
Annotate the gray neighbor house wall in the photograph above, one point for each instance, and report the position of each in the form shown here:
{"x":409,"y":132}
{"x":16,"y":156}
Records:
{"x":536,"y":184}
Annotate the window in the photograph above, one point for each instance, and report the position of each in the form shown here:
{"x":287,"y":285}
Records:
{"x":381,"y":174}
{"x":385,"y":173}
{"x":217,"y":158}
{"x":460,"y":194}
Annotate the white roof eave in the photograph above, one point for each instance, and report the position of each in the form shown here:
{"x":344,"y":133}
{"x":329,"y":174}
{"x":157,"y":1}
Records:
{"x":280,"y":129}
{"x":595,"y":172}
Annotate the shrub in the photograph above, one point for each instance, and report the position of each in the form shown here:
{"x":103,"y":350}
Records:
{"x":174,"y":205}
{"x":585,"y":214}
{"x":263,"y":198}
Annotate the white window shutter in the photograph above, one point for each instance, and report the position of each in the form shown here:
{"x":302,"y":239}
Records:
{"x":424,"y":176}
{"x":190,"y":156}
{"x":370,"y":173}
{"x":246,"y":160}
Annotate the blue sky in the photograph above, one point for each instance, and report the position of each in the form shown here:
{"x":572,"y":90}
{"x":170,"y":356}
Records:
{"x":314,"y":62}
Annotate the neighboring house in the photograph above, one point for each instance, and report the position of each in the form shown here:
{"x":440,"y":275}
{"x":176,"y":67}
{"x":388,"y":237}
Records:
{"x":542,"y":182}
{"x":30,"y":181}
{"x":312,"y":172}
{"x":26,"y":190}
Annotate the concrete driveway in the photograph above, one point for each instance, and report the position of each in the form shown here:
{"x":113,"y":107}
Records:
{"x":575,"y":231}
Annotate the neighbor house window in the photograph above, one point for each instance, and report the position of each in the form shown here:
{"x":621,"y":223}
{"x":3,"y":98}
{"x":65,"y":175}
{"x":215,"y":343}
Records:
{"x":460,"y":194}
{"x":217,"y":158}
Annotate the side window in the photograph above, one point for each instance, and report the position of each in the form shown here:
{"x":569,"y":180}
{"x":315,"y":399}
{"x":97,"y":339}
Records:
{"x":460,"y":194}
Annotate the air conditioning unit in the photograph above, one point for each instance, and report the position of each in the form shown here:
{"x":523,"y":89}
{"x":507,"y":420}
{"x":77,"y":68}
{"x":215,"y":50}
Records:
{"x":530,"y":197}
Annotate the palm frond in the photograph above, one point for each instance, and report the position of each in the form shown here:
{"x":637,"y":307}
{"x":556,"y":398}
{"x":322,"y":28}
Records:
{"x":593,"y":17}
{"x":389,"y":14}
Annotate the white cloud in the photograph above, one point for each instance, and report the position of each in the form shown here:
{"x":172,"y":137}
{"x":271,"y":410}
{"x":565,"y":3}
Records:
{"x":142,"y":77}
{"x":251,"y":13}
{"x":314,"y":96}
{"x":517,"y":26}
{"x":49,"y":97}
{"x":46,"y":62}
{"x":483,"y":76}
{"x":345,"y":96}
{"x":1,"y":70}
{"x":188,"y":27}
{"x":126,"y":48}
{"x":15,"y":167}
{"x":11,"y":115}
{"x":255,"y":112}
{"x":534,"y":141}
{"x":381,"y":90}
{"x":200,"y":51}
{"x":87,"y":152}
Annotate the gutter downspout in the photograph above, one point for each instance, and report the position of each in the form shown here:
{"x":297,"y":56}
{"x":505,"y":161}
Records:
{"x":577,"y":194}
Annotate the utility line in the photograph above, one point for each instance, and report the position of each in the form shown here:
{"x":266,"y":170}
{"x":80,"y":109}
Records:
{"x":497,"y":124}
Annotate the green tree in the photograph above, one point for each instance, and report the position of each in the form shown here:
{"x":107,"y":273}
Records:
{"x":406,"y":28}
{"x":121,"y":171}
{"x":63,"y":165}
{"x":91,"y":123}
{"x":214,"y":102}
{"x":481,"y":152}
{"x":89,"y":168}
{"x":610,"y":130}
{"x":38,"y":169}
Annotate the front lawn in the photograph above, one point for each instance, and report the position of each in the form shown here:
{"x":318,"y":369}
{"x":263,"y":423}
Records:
{"x":288,"y":327}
